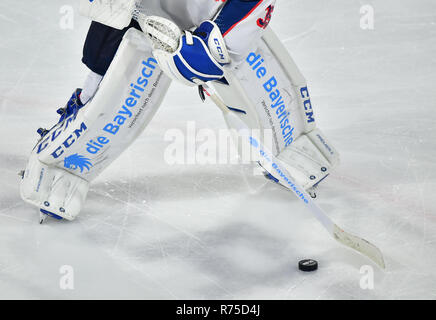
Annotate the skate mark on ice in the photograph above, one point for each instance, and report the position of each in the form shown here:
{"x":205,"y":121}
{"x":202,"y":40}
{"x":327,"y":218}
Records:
{"x":148,"y":213}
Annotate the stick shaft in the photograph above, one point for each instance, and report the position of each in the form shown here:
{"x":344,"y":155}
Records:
{"x":277,"y":169}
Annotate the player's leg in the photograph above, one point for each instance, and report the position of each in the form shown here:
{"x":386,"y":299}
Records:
{"x":265,"y":87}
{"x":78,"y":148}
{"x":269,"y":93}
{"x":100,"y":47}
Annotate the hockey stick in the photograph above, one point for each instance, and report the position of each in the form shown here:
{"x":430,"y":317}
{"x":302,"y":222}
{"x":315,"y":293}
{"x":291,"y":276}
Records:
{"x":161,"y":37}
{"x":275,"y":168}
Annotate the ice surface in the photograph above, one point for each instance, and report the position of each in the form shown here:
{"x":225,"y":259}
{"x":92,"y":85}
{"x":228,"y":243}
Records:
{"x":150,"y":230}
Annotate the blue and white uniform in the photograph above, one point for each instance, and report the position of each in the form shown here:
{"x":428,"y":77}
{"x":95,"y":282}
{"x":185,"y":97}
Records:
{"x":240,"y":21}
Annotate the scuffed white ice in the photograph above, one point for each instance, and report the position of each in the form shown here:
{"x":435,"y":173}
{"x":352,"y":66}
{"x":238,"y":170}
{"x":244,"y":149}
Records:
{"x":152,"y":231}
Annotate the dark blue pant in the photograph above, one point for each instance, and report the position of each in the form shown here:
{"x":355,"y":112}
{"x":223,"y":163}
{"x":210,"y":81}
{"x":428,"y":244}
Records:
{"x":101,"y":44}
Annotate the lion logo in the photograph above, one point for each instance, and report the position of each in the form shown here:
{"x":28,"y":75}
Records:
{"x":76,"y":161}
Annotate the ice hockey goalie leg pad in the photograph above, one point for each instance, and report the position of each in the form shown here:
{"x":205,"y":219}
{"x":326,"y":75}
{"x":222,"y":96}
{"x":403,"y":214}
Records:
{"x":269,"y":93}
{"x":86,"y":143}
{"x":310,"y":158}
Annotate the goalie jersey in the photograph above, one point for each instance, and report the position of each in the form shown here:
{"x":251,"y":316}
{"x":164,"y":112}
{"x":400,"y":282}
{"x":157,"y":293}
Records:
{"x":240,"y":21}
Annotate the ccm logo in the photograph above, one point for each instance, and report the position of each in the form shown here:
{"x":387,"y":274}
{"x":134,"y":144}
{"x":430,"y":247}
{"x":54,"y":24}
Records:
{"x":69,"y":141}
{"x":307,"y":104}
{"x":219,"y":48}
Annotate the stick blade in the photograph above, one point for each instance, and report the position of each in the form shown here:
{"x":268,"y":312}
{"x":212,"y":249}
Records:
{"x":361,"y":245}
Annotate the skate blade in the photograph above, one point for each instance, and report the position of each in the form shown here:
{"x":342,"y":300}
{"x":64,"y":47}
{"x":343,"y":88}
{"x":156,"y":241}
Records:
{"x":42,"y":217}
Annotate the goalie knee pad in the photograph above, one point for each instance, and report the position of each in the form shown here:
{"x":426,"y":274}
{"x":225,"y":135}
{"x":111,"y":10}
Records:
{"x":268,"y":92}
{"x":81,"y":146}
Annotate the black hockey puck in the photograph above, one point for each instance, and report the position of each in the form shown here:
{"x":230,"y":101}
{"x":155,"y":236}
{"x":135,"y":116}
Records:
{"x":308,"y":265}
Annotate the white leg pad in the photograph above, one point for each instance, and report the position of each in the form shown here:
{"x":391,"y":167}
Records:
{"x":52,"y":189}
{"x":77,"y":150}
{"x":268,"y":92}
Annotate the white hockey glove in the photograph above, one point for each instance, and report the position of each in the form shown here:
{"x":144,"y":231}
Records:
{"x":191,"y":58}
